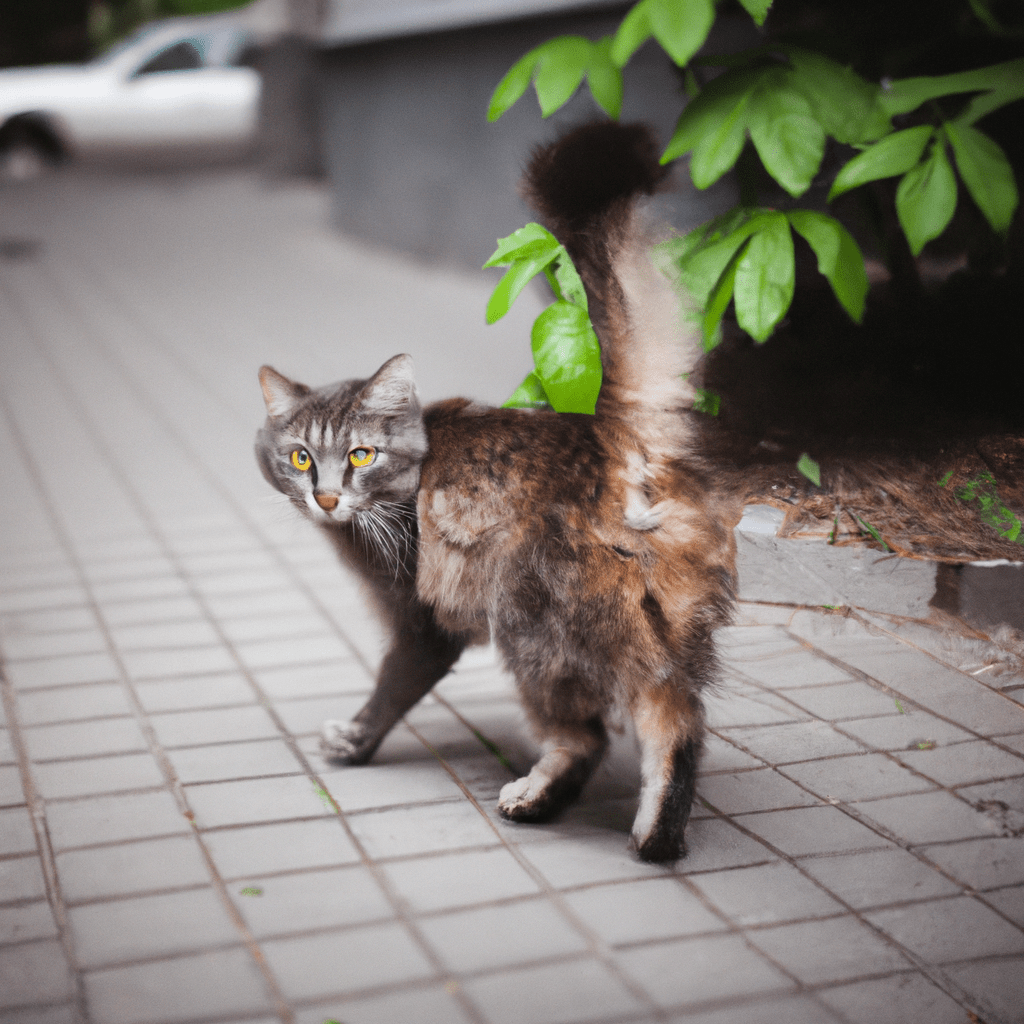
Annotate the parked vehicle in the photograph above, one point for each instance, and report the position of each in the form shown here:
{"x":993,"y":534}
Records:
{"x":174,"y":85}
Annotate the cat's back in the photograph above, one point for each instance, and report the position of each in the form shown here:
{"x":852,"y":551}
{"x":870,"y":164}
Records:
{"x":502,"y":489}
{"x":529,"y":458}
{"x":527,"y":465}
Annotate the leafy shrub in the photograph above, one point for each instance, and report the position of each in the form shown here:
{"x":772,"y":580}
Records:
{"x":788,"y":101}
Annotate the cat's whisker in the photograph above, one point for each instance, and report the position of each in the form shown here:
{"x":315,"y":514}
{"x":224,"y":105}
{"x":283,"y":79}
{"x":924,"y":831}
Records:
{"x":386,"y":533}
{"x":398,"y":518}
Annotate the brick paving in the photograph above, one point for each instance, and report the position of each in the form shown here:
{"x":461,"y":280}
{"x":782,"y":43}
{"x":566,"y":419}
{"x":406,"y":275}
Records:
{"x":173,"y":849}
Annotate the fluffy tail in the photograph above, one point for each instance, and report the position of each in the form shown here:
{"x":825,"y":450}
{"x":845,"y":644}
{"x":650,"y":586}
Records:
{"x":587,"y":187}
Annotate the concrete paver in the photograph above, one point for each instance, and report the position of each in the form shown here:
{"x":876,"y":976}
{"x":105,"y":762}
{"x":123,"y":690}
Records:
{"x":172,"y":848}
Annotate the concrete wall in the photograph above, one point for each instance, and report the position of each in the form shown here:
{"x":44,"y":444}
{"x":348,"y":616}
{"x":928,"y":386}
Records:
{"x":412,"y":159}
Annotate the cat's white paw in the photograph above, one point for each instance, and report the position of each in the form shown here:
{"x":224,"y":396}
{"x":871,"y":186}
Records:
{"x":551,"y":784}
{"x":341,"y":741}
{"x":525,"y":799}
{"x":515,"y":794}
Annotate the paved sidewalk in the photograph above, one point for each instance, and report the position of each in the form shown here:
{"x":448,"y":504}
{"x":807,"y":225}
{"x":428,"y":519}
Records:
{"x":173,"y":849}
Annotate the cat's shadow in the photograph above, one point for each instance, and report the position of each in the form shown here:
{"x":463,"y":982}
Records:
{"x":608,"y":802}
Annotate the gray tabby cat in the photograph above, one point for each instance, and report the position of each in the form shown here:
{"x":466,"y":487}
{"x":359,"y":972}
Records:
{"x":592,"y":549}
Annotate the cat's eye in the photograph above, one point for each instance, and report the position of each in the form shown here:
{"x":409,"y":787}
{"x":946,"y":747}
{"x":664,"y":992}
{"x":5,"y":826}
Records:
{"x":301,"y":459}
{"x":360,"y":457}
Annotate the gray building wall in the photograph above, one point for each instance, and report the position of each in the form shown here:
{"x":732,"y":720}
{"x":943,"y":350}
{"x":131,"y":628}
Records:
{"x":412,"y":159}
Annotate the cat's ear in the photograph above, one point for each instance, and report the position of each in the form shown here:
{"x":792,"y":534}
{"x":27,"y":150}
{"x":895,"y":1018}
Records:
{"x":391,"y":390}
{"x":280,"y":393}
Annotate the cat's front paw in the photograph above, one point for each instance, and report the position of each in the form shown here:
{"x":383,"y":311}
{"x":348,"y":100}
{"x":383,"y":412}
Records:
{"x":524,"y":800}
{"x":345,"y":743}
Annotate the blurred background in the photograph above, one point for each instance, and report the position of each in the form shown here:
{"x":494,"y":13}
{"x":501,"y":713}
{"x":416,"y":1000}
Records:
{"x":375,"y":98}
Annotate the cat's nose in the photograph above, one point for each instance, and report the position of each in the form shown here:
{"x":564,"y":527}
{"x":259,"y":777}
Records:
{"x":328,"y":502}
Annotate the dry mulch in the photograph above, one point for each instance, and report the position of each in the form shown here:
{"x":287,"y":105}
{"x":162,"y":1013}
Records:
{"x":901,"y":499}
{"x":902,"y":414}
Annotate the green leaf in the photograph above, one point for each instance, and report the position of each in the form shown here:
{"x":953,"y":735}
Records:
{"x":981,"y":11}
{"x":1011,"y":90}
{"x":634,"y":30}
{"x":529,"y":395}
{"x":669,"y":255}
{"x":765,"y":277}
{"x":570,"y":286}
{"x":926,"y":198}
{"x":520,"y":239}
{"x":718,"y":150}
{"x":895,"y":154}
{"x":986,"y":172}
{"x":605,"y":78}
{"x":527,"y":252}
{"x":789,"y":140}
{"x":713,"y":125}
{"x":757,"y":9}
{"x":843,"y":103}
{"x":325,"y":798}
{"x":718,"y":302}
{"x":703,"y":268}
{"x":873,"y":531}
{"x":531,"y":261}
{"x":680,"y":26}
{"x":707,"y":402}
{"x":809,"y":468}
{"x":516,"y":81}
{"x":561,"y":65}
{"x":557,"y":67}
{"x":567,"y":357}
{"x":493,"y":748}
{"x":697,"y":259}
{"x":1006,"y":80}
{"x":839,"y":258}
{"x":990,"y":506}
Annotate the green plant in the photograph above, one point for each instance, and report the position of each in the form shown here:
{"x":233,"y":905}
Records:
{"x":566,"y":354}
{"x":810,"y":469}
{"x":787,"y":101}
{"x":991,"y":507}
{"x":866,"y":530}
{"x":325,"y":798}
{"x":873,"y":532}
{"x":495,"y":750}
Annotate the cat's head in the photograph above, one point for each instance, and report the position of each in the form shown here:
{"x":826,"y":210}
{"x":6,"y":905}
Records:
{"x":339,"y":450}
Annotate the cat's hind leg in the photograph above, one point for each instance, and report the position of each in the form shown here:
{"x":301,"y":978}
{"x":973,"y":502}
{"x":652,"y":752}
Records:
{"x":572,"y":750}
{"x":670,"y":726}
{"x":420,"y":654}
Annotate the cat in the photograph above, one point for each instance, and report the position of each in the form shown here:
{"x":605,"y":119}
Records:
{"x":594,"y":550}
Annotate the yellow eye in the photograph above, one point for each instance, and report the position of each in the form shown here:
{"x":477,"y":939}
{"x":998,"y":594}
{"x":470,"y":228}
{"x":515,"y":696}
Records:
{"x":301,"y":459}
{"x":360,"y":457}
